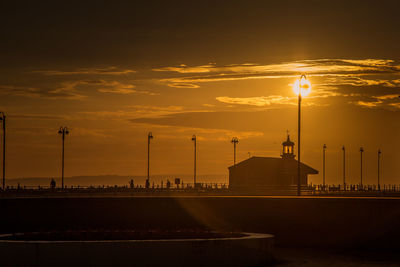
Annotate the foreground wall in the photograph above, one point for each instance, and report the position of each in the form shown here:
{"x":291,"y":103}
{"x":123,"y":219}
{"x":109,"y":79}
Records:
{"x":252,"y":250}
{"x":294,"y":221}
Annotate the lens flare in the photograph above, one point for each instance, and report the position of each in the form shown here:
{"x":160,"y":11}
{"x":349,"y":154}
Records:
{"x":302,"y":86}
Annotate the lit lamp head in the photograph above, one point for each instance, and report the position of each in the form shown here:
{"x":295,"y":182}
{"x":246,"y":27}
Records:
{"x":302,"y":86}
{"x":63,"y":130}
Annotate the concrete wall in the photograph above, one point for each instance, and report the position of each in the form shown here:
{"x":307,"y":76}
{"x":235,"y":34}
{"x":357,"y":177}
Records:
{"x":294,"y":221}
{"x":253,"y":250}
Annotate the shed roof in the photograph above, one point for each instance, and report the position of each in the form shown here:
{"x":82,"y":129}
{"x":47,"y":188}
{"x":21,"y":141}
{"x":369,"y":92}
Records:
{"x":273,"y":162}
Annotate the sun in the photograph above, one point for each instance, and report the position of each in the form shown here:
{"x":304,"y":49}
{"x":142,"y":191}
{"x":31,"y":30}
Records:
{"x":302,"y":86}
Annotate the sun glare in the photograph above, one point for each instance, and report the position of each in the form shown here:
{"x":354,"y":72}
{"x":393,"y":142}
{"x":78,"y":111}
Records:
{"x":302,"y":86}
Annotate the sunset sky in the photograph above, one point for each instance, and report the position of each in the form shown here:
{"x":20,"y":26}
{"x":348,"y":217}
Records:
{"x":113,"y":72}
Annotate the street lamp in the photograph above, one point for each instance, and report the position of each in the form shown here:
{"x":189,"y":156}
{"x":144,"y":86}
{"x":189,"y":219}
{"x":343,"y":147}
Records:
{"x":379,"y":158}
{"x":149,"y":137}
{"x":3,"y":119}
{"x":344,"y":168}
{"x":323,"y":160}
{"x":194,"y":139}
{"x":361,"y":165}
{"x":301,"y":87}
{"x":234,"y":140}
{"x":63,"y":131}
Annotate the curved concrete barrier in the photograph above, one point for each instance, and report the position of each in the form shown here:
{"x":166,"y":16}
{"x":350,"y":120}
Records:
{"x":249,"y":250}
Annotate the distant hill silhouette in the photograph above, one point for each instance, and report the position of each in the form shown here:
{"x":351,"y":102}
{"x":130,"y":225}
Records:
{"x":111,"y":180}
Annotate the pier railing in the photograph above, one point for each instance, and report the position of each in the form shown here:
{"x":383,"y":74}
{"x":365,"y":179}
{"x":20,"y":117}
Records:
{"x":353,"y":188}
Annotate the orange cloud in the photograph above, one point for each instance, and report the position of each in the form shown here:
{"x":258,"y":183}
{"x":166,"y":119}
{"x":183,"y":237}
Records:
{"x":88,"y":71}
{"x":260,"y":101}
{"x":336,"y":68}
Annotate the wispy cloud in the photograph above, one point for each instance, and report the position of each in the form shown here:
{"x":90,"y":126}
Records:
{"x":260,"y":101}
{"x":186,"y":69}
{"x":360,"y":81}
{"x":113,"y":87}
{"x":38,"y":116}
{"x":319,"y":67}
{"x":58,"y":93}
{"x":103,"y":86}
{"x":210,"y":134}
{"x":322,"y":91}
{"x":180,"y":84}
{"x":88,"y":71}
{"x":138,"y":111}
{"x":74,"y":89}
{"x":387,"y":97}
{"x":388,"y":101}
{"x":331,"y":77}
{"x":274,"y":101}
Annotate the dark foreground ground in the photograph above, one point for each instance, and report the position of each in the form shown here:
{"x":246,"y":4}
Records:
{"x":316,"y":257}
{"x":309,"y":231}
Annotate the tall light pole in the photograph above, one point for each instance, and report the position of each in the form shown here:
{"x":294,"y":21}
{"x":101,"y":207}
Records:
{"x":194,"y":139}
{"x":301,"y":87}
{"x":234,"y":140}
{"x":149,"y":137}
{"x":344,"y":168}
{"x":63,"y":132}
{"x":323,"y":163}
{"x":3,"y":119}
{"x":379,"y":178}
{"x":361,"y":165}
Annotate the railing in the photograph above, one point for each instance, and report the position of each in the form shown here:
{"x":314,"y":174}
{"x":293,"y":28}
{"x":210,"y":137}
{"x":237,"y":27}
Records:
{"x":187,"y":187}
{"x":353,"y":188}
{"x":202,"y":188}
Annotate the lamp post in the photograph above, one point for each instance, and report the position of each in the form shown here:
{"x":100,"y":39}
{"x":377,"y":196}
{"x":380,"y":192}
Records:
{"x":379,"y":180}
{"x":234,"y":140}
{"x":323,"y":168}
{"x":194,"y":139}
{"x":63,"y":132}
{"x":149,"y":137}
{"x":301,"y":87}
{"x":3,"y":119}
{"x":344,"y":168}
{"x":361,"y":165}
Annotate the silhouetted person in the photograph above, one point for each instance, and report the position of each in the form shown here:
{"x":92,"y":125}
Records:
{"x":147,"y":185}
{"x":168,"y":184}
{"x":131,"y":184}
{"x":52,"y":184}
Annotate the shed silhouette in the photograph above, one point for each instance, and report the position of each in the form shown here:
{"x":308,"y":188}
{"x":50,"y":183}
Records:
{"x":268,"y":173}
